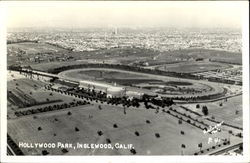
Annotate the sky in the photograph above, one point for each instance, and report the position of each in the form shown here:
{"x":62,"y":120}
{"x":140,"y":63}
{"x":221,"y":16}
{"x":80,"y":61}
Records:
{"x":80,"y":14}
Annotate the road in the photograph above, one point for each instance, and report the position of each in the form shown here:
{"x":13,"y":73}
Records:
{"x":226,"y":149}
{"x":10,"y":152}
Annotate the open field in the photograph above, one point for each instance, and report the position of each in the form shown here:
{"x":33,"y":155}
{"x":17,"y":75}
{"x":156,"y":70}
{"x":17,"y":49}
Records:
{"x":63,"y":130}
{"x":34,"y":48}
{"x":25,"y":93}
{"x":137,"y":56}
{"x":52,"y":65}
{"x":192,"y":67}
{"x":190,"y":54}
{"x":29,"y":52}
{"x":126,"y":52}
{"x":109,"y":76}
{"x":230,"y":111}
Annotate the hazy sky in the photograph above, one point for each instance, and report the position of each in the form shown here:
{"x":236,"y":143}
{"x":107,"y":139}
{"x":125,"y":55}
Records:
{"x":106,"y":14}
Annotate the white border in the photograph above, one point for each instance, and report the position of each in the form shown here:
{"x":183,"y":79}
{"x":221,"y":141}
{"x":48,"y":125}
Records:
{"x":145,"y":159}
{"x":246,"y":98}
{"x":3,"y":82}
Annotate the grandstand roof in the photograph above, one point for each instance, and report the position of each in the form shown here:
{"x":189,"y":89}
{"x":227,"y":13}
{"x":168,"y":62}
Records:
{"x":103,"y":85}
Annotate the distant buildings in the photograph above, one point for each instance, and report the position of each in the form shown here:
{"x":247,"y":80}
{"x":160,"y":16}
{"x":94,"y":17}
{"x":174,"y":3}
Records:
{"x":233,"y":74}
{"x":155,"y":39}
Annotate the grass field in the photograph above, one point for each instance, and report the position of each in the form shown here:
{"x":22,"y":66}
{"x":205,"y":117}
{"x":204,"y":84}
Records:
{"x":192,"y":67}
{"x":23,"y":87}
{"x":34,"y":48}
{"x":215,"y":55}
{"x":58,"y":126}
{"x":226,"y":112}
{"x":169,"y":143}
{"x":29,"y":53}
{"x":52,"y":65}
{"x":109,"y":76}
{"x":132,"y":56}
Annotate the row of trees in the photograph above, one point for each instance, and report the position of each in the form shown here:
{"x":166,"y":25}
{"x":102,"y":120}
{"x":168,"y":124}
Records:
{"x":188,"y":119}
{"x":20,"y":41}
{"x":225,"y":142}
{"x":99,"y":96}
{"x":50,"y":108}
{"x":191,"y":111}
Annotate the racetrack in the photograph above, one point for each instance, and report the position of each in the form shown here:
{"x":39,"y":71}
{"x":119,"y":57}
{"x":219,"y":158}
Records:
{"x":163,"y":85}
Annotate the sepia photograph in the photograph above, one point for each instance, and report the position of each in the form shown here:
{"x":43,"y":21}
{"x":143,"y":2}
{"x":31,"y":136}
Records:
{"x":125,"y":78}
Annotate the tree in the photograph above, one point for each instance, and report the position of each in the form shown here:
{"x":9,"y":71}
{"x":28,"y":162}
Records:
{"x":137,"y":133}
{"x":133,"y":151}
{"x":241,"y":147}
{"x":65,"y":150}
{"x":183,"y":146}
{"x":239,"y":135}
{"x":157,"y":135}
{"x":76,"y":129}
{"x":115,"y":126}
{"x":100,"y":133}
{"x":197,"y":106}
{"x":45,"y":152}
{"x":157,"y":110}
{"x":124,"y":110}
{"x":205,"y":110}
{"x":200,"y":146}
{"x":108,"y":140}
